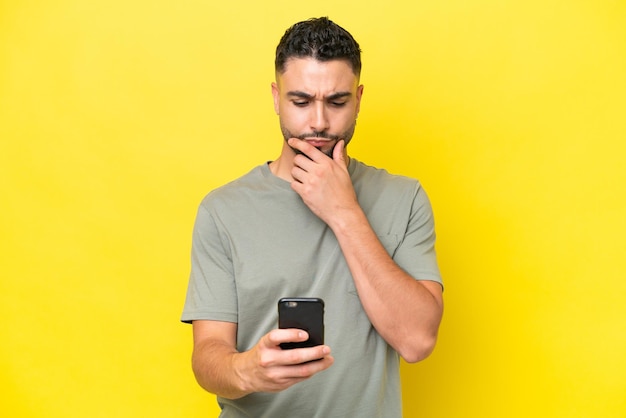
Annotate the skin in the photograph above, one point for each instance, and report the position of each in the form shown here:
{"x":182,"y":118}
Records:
{"x":312,"y":97}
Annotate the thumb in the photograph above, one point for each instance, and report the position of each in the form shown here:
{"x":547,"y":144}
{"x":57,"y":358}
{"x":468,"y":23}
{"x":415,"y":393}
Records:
{"x":338,"y":152}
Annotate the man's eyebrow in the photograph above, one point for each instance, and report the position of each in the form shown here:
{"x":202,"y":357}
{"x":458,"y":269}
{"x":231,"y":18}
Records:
{"x":303,"y":95}
{"x":339,"y":95}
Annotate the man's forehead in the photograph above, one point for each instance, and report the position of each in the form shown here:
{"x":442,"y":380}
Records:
{"x":309,"y":71}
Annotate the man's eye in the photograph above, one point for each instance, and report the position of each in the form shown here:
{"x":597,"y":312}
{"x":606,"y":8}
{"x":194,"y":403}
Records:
{"x":300,"y":103}
{"x":338,"y":104}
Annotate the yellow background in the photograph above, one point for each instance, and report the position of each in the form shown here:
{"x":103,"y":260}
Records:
{"x":116,"y":117}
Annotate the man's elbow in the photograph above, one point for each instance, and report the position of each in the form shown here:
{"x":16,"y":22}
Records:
{"x":419,"y":349}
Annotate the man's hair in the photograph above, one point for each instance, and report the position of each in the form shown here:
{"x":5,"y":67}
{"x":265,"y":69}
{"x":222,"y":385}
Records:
{"x":318,"y":38}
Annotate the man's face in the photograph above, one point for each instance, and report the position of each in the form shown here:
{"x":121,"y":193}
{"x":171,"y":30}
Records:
{"x":317,"y":101}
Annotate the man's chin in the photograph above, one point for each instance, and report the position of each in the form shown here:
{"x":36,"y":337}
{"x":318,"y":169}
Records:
{"x":328,"y":153}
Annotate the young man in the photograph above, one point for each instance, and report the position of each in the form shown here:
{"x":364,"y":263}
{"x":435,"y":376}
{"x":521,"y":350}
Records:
{"x":313,"y":223}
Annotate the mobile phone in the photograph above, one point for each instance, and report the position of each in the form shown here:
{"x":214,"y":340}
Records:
{"x":302,"y":313}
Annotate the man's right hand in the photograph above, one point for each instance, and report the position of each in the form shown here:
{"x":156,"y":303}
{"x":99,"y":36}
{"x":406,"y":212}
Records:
{"x":220,"y":369}
{"x":268,"y":368}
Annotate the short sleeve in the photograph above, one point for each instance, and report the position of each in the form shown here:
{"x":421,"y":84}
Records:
{"x":416,"y":252}
{"x":211,"y":292}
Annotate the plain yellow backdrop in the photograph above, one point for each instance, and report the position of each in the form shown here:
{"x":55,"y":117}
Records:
{"x":117,"y":117}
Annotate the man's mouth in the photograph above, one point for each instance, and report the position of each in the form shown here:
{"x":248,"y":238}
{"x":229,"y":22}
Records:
{"x":317,"y":142}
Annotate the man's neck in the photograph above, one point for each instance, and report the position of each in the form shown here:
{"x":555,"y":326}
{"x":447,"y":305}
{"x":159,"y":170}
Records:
{"x":281,"y":168}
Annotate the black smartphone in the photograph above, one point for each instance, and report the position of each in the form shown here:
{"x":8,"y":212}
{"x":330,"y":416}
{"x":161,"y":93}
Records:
{"x":302,"y":313}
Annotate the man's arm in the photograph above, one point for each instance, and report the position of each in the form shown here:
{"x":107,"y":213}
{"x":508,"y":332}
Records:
{"x":220,"y":369}
{"x":405,"y":312}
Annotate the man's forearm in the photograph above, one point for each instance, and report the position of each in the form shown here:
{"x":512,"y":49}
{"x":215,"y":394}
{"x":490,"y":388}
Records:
{"x":213,"y":366}
{"x":406,"y":312}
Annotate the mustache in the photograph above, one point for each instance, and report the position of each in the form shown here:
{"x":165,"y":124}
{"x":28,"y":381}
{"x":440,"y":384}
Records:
{"x":322,"y":134}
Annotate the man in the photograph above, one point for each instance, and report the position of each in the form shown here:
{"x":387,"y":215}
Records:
{"x":313,"y":223}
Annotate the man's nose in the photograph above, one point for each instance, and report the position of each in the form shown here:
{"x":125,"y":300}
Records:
{"x":319,"y":119}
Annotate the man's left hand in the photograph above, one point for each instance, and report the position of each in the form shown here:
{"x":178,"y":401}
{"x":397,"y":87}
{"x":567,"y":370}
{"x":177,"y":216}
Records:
{"x":323,"y":183}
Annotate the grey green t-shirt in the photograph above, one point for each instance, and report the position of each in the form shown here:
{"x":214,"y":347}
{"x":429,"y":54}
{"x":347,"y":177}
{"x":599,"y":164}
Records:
{"x":255,"y":241}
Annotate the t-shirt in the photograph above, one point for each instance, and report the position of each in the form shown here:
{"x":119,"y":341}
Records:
{"x":255,"y":241}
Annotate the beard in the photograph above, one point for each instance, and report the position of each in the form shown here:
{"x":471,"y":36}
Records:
{"x":346,"y":136}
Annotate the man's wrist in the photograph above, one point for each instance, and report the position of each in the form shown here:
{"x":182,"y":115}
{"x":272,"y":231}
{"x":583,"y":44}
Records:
{"x":347,"y":220}
{"x":241,"y":383}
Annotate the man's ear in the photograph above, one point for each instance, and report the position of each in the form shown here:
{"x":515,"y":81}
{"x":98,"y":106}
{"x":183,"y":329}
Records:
{"x":276,"y":95}
{"x":359,"y":94}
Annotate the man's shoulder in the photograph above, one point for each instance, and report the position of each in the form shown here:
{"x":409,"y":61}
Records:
{"x":373,"y":176}
{"x":235,"y":190}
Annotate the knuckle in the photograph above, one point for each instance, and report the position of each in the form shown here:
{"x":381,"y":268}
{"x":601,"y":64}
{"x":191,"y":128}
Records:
{"x":304,"y":370}
{"x":265,"y":360}
{"x":273,"y":376}
{"x":271,"y":337}
{"x":294,"y":357}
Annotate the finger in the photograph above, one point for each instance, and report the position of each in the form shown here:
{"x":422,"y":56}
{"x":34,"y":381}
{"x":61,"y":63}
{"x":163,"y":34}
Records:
{"x":307,"y":149}
{"x":278,"y":336}
{"x":303,"y":162}
{"x":299,"y":356}
{"x":298,"y":173}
